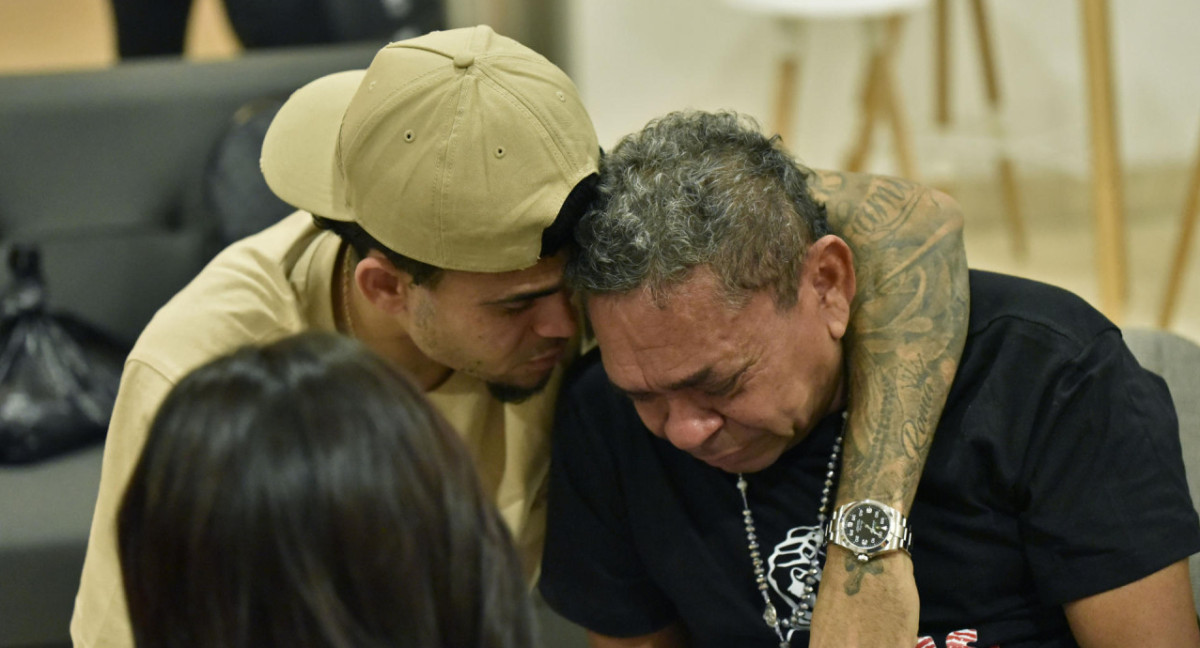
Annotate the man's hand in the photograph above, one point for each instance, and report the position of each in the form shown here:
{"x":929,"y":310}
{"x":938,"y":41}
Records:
{"x":868,"y":605}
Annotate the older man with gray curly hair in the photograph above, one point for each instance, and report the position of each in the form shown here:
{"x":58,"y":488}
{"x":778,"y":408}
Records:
{"x":695,"y":461}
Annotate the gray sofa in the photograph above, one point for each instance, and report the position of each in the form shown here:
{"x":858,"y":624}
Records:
{"x":103,"y":171}
{"x":1177,"y":360}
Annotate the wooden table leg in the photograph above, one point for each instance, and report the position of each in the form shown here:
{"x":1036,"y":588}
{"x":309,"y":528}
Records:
{"x":1107,"y":192}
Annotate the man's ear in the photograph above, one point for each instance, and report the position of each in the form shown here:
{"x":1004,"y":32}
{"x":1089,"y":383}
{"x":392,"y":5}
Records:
{"x":384,"y":285}
{"x":829,"y":270}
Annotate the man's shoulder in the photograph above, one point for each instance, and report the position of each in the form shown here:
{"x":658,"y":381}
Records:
{"x":243,"y":296}
{"x":1009,"y":303}
{"x":177,"y":341}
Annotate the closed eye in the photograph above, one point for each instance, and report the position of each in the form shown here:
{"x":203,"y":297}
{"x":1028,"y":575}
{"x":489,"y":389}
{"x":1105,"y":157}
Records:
{"x":726,"y":388}
{"x":637,"y":396}
{"x":640,"y":397}
{"x":512,"y":308}
{"x":723,"y":389}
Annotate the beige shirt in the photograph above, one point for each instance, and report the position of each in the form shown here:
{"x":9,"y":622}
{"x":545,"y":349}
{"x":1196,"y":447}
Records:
{"x":265,"y":287}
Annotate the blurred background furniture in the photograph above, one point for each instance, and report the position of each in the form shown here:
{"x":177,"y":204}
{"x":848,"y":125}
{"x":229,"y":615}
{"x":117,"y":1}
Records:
{"x":884,"y":22}
{"x":104,"y":170}
{"x":158,"y":27}
{"x":880,"y":101}
{"x":1177,"y":360}
{"x":45,"y":516}
{"x":1183,"y":247}
{"x":1108,"y":193}
{"x":1106,"y":180}
{"x":1005,"y":175}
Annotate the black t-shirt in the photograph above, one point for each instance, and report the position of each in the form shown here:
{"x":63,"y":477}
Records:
{"x":1055,"y":473}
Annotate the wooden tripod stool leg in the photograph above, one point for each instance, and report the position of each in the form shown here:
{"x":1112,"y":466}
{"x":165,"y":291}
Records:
{"x":901,"y":139}
{"x":942,"y":61}
{"x":943,"y":80}
{"x":857,"y":158}
{"x":1107,"y":192}
{"x":874,"y":99}
{"x":1004,"y":166}
{"x":1187,"y":229}
{"x":783,"y":112}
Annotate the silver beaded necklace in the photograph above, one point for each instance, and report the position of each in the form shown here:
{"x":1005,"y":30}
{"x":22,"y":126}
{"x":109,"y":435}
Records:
{"x":803,"y":612}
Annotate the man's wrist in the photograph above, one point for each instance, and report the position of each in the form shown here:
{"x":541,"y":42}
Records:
{"x":894,"y":500}
{"x":841,"y":556}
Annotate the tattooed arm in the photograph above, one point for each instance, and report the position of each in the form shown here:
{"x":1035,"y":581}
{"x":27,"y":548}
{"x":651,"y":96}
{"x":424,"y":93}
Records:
{"x":906,"y":335}
{"x":907,"y":328}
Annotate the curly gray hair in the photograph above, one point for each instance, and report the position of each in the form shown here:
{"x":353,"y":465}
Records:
{"x":696,"y":188}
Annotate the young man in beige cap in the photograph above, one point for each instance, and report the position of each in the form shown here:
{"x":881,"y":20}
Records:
{"x":436,"y":189}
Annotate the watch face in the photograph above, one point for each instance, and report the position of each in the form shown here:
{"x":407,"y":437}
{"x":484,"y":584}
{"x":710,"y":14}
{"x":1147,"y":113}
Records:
{"x":866,"y":525}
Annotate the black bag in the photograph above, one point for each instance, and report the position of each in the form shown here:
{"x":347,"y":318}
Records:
{"x":58,"y":374}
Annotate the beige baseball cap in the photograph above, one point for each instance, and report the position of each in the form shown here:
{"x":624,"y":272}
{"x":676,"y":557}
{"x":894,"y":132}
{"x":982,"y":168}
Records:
{"x":456,"y":148}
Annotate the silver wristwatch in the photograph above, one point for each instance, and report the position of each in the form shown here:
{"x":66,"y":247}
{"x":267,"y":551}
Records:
{"x":869,"y":528}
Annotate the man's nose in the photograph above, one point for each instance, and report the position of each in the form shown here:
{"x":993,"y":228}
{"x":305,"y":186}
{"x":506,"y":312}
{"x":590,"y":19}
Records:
{"x":555,"y":316}
{"x":688,"y":425}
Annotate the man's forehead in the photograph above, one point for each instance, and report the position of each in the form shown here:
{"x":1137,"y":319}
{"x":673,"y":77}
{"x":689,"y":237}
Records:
{"x":685,"y":311}
{"x":675,"y":346}
{"x":693,"y":369}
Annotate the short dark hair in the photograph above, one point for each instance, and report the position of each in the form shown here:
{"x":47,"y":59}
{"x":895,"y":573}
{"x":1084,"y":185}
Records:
{"x":423,"y":274}
{"x":305,"y":493}
{"x":555,"y":238}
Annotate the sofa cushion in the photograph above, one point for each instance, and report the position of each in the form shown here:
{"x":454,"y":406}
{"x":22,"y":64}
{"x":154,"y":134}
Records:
{"x":104,"y":169}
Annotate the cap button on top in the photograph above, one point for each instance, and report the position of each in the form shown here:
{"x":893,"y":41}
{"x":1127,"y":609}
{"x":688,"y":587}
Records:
{"x":464,"y":60}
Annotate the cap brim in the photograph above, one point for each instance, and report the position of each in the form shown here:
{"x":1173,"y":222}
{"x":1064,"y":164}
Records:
{"x":299,"y":153}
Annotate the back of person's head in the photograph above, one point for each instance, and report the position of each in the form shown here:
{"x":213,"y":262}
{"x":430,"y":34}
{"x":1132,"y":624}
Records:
{"x":305,"y":493}
{"x":461,"y":150}
{"x":697,"y":188}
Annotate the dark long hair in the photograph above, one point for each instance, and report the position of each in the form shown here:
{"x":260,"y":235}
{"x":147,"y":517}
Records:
{"x":305,"y":493}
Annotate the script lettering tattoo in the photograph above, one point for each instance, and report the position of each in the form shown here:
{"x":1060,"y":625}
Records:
{"x":907,"y":328}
